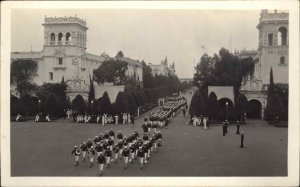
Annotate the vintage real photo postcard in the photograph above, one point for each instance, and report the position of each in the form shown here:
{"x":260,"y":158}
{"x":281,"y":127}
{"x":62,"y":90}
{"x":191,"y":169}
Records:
{"x":150,"y":93}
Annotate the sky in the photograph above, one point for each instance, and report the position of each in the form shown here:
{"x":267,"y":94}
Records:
{"x":148,"y":35}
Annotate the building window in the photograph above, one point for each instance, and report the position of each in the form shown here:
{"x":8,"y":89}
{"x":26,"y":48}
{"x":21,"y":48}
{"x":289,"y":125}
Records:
{"x":60,"y":36}
{"x":60,"y":61}
{"x":50,"y":76}
{"x":52,"y":39}
{"x":68,"y":37}
{"x":282,"y":60}
{"x":270,"y":39}
{"x":282,"y":36}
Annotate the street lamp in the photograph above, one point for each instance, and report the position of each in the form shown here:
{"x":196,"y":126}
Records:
{"x":226,"y":110}
{"x":39,"y":106}
{"x":92,"y":102}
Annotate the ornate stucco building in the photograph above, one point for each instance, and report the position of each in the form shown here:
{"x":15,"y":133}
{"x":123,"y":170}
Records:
{"x":163,"y":68}
{"x":273,"y":52}
{"x":64,"y":54}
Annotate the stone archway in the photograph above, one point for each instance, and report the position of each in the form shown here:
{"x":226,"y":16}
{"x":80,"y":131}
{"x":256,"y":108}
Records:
{"x":225,"y":112}
{"x":255,"y":109}
{"x":222,"y":103}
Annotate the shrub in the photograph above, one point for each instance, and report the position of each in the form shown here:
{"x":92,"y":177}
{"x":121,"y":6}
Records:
{"x":79,"y":105}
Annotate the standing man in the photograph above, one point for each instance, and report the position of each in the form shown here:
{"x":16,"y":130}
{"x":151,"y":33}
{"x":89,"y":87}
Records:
{"x":223,"y":128}
{"x":237,"y":127}
{"x":117,"y":119}
{"x":132,"y":119}
{"x":242,"y":139}
{"x":226,"y":126}
{"x":183,"y":111}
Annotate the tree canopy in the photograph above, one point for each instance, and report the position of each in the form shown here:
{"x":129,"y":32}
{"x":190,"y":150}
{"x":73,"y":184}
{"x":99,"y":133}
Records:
{"x":224,"y":69}
{"x":111,"y":70}
{"x":23,"y":70}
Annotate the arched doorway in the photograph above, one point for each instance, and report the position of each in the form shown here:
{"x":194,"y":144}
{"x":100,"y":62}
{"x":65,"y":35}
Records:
{"x":255,"y":108}
{"x":222,"y":103}
{"x":225,"y":110}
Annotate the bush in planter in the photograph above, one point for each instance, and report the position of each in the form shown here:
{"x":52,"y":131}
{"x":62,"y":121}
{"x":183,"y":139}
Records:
{"x":212,"y":106}
{"x":104,"y":105}
{"x":28,"y":105}
{"x":121,"y":104}
{"x":131,"y":103}
{"x":241,"y":107}
{"x":51,"y":105}
{"x":15,"y":106}
{"x":79,"y":105}
{"x":274,"y":108}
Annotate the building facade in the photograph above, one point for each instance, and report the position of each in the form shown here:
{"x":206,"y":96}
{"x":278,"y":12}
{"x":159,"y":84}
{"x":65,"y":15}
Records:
{"x":273,"y":52}
{"x":64,"y":54}
{"x":163,"y":68}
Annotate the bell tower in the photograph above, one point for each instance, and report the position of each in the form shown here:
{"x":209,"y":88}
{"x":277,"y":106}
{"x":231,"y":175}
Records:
{"x":65,"y":31}
{"x":273,"y":46}
{"x":64,"y":50}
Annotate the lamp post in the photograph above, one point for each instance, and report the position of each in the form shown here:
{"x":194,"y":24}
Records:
{"x":226,"y":110}
{"x":39,"y":106}
{"x":92,"y":102}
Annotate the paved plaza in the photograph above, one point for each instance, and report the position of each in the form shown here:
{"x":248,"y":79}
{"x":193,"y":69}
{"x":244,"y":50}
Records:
{"x":44,"y":149}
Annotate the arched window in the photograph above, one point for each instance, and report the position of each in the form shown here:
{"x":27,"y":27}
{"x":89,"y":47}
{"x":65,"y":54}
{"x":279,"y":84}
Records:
{"x":52,"y":37}
{"x":60,"y":36}
{"x":282,"y":36}
{"x":270,"y":39}
{"x":68,"y":36}
{"x":282,"y":60}
{"x":83,"y":40}
{"x":80,"y":39}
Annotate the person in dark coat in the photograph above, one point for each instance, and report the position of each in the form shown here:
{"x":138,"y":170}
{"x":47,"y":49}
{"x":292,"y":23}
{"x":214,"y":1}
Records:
{"x":223,"y":128}
{"x":101,"y":161}
{"x":140,"y":154}
{"x":237,"y":127}
{"x":120,"y":136}
{"x":125,"y":156}
{"x":83,"y":148}
{"x":132,"y":119}
{"x":242,"y":139}
{"x":108,"y":155}
{"x":226,"y":126}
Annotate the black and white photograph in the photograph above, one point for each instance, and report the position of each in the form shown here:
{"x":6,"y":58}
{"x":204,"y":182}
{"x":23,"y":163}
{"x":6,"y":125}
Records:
{"x":150,"y":93}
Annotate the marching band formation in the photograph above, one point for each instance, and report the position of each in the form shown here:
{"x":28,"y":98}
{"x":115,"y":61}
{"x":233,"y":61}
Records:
{"x":110,"y":147}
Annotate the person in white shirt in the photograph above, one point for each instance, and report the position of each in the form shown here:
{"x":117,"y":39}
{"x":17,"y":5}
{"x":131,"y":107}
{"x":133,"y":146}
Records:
{"x":37,"y":117}
{"x":48,"y":118}
{"x":116,"y":119}
{"x":18,"y":117}
{"x":204,"y":122}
